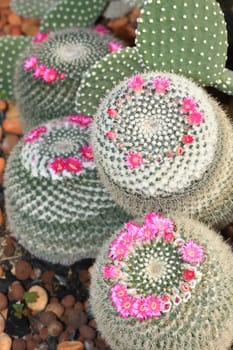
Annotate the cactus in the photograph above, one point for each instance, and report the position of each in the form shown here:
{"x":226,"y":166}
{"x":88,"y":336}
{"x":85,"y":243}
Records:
{"x":50,"y":71}
{"x":104,"y":75}
{"x":55,"y":204}
{"x":10,"y":49}
{"x":117,"y":8}
{"x":161,"y":143}
{"x":69,"y":13}
{"x":187,"y":38}
{"x":31,"y":8}
{"x":165,"y":285}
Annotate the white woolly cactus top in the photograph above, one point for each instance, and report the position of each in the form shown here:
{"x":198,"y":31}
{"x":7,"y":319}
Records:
{"x":156,"y":134}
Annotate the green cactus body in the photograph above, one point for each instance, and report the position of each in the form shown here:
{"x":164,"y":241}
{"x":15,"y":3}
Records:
{"x":10,"y":49}
{"x":69,"y":13}
{"x":56,"y":206}
{"x":100,"y":79}
{"x":117,"y":8}
{"x":187,"y":38}
{"x":31,"y":8}
{"x":65,"y":56}
{"x":164,"y":285}
{"x":161,"y":143}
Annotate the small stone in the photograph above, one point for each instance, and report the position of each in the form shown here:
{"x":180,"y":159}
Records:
{"x":36,"y":274}
{"x":89,"y":345}
{"x":3,"y":301}
{"x":46,"y":317}
{"x":23,"y":270}
{"x":19,"y":344}
{"x":84,"y":276}
{"x":47,"y":276}
{"x":44,"y":333}
{"x":68,"y":301}
{"x":3,"y":105}
{"x":2,"y":323}
{"x":87,"y":332}
{"x":92,"y":323}
{"x":56,"y":308}
{"x":16,"y":291}
{"x":71,"y":345}
{"x":79,"y":306}
{"x":12,"y":125}
{"x":32,"y":344}
{"x":55,"y":328}
{"x":8,"y":143}
{"x":76,"y":318}
{"x":5,"y":341}
{"x":41,"y":301}
{"x":9,"y":248}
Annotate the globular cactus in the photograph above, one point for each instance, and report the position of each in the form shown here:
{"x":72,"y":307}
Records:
{"x":31,"y":8}
{"x":161,"y":143}
{"x":187,"y":38}
{"x":70,"y":13}
{"x":55,"y":203}
{"x":165,"y":284}
{"x":10,"y":49}
{"x":49,"y":73}
{"x":116,"y":8}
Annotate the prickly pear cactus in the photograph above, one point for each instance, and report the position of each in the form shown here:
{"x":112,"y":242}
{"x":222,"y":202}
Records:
{"x":10,"y":49}
{"x":70,"y":13}
{"x":155,"y":285}
{"x":31,"y":8}
{"x":56,"y":206}
{"x":187,"y":38}
{"x":160,"y":143}
{"x":49,"y":73}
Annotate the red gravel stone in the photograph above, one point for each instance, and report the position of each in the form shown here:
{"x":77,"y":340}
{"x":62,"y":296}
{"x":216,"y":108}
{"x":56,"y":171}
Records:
{"x":16,"y":291}
{"x":46,"y":317}
{"x":23,"y":270}
{"x":3,"y":301}
{"x":87,"y":332}
{"x":47,"y":277}
{"x":18,"y":344}
{"x":76,"y":318}
{"x":9,"y":250}
{"x":68,"y":301}
{"x":55,"y":328}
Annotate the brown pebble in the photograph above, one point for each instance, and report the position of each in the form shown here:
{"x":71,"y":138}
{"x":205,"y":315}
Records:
{"x":43,"y":333}
{"x":64,"y":335}
{"x":87,"y":332}
{"x":54,"y":300}
{"x":84,"y":276}
{"x":4,"y":3}
{"x":41,"y":300}
{"x":18,"y":344}
{"x":15,"y":30}
{"x":2,"y":323}
{"x":76,"y":318}
{"x":79,"y":306}
{"x":12,"y":125}
{"x":23,"y":270}
{"x":3,"y":105}
{"x":57,"y":308}
{"x":71,"y":345}
{"x":1,"y":217}
{"x":32,"y":344}
{"x":3,"y":301}
{"x":55,"y":328}
{"x":8,"y":143}
{"x":68,"y":301}
{"x":31,"y":30}
{"x":13,"y":18}
{"x":228,"y":231}
{"x":5,"y":341}
{"x":46,"y":317}
{"x":47,"y":276}
{"x":36,"y":326}
{"x":36,"y":274}
{"x":9,"y":250}
{"x":1,"y":271}
{"x":92,"y":323}
{"x":16,"y":291}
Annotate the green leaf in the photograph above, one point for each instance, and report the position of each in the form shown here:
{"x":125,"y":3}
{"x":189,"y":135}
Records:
{"x":30,"y":297}
{"x":19,"y":309}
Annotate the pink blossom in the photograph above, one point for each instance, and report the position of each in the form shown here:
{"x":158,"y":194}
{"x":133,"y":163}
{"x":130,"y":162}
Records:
{"x":161,"y":84}
{"x":125,"y":306}
{"x":50,"y":75}
{"x":148,"y":232}
{"x":139,"y":308}
{"x":192,"y":252}
{"x":167,"y":306}
{"x":87,"y":152}
{"x":187,"y":139}
{"x":179,"y":151}
{"x":81,"y":120}
{"x":188,"y":275}
{"x":166,"y":297}
{"x":154,"y":306}
{"x":62,"y":76}
{"x":168,"y":236}
{"x":57,"y":165}
{"x":134,"y":160}
{"x":188,"y":105}
{"x":118,"y":291}
{"x":170,"y":154}
{"x":39,"y":71}
{"x":40,"y":37}
{"x":118,"y":250}
{"x":35,"y":134}
{"x":160,"y":223}
{"x":196,"y":117}
{"x":111,"y":135}
{"x":101,"y":29}
{"x":30,"y":63}
{"x":73,"y":165}
{"x":136,"y":83}
{"x":110,"y":271}
{"x":114,"y":46}
{"x":184,"y":287}
{"x":133,"y":229}
{"x":112,"y":112}
{"x":177,"y":299}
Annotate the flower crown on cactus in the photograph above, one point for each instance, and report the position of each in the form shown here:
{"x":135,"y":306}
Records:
{"x":55,"y":203}
{"x":150,"y":280}
{"x":47,"y":77}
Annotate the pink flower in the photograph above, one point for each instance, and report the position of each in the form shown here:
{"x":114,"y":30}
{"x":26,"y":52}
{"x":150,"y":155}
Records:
{"x":118,"y":250}
{"x":112,"y":112}
{"x":87,"y":152}
{"x":40,"y":37}
{"x":196,"y":117}
{"x":114,"y":46}
{"x":50,"y":75}
{"x":39,"y":71}
{"x":134,"y":160}
{"x":118,"y":291}
{"x":73,"y":165}
{"x":188,"y":275}
{"x":167,"y":306}
{"x":148,"y":232}
{"x":57,"y":165}
{"x":170,"y":154}
{"x":168,"y":236}
{"x":154,"y":306}
{"x":184,"y":287}
{"x":160,"y":223}
{"x":62,"y":76}
{"x":188,"y":105}
{"x":81,"y":120}
{"x":139,"y":308}
{"x":30,"y":63}
{"x":133,"y":229}
{"x":110,"y":271}
{"x":101,"y":29}
{"x":177,"y":300}
{"x":136,"y":83}
{"x":179,"y":151}
{"x":111,"y":135}
{"x":192,"y":252}
{"x":187,"y":139}
{"x":161,"y":84}
{"x":125,"y":306}
{"x":35,"y":134}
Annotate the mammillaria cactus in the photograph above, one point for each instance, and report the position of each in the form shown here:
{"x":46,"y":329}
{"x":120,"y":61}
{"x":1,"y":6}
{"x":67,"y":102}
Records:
{"x":187,"y":38}
{"x":164,"y":285}
{"x":31,"y":8}
{"x":50,"y":71}
{"x":161,"y":143}
{"x":56,"y":206}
